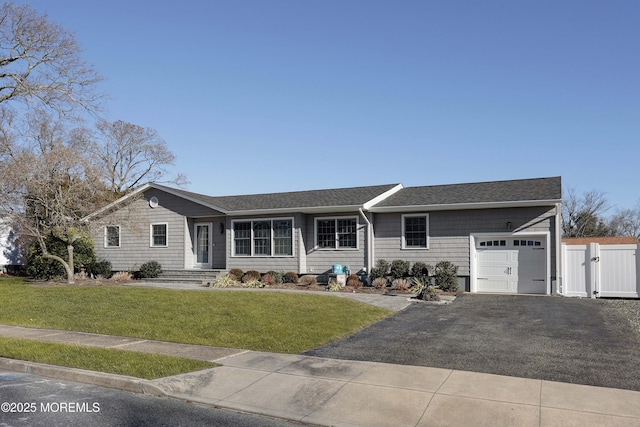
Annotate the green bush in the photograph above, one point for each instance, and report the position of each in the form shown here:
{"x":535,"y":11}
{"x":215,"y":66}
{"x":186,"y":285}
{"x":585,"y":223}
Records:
{"x":420,"y":271}
{"x":150,"y":270}
{"x":380,"y":270}
{"x":45,"y":269}
{"x":278,"y":276}
{"x":99,"y":268}
{"x":291,"y":277}
{"x":399,"y":269}
{"x":445,"y":276}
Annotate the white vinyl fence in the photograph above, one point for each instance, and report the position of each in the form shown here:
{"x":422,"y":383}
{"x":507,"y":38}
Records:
{"x":601,"y":270}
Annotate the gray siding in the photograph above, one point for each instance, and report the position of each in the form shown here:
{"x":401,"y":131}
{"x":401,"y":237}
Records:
{"x":320,"y":261}
{"x":449,"y":233}
{"x":135,"y":248}
{"x":135,"y":221}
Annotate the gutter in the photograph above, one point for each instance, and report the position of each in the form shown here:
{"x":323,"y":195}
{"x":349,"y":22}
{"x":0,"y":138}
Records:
{"x":370,"y":252}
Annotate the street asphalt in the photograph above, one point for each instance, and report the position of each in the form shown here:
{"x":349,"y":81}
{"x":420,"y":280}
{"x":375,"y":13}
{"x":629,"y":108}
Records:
{"x":571,"y":340}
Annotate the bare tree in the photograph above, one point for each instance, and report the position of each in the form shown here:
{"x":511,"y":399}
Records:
{"x":48,"y":188}
{"x":626,"y":222}
{"x":40,"y":63}
{"x":582,"y":216}
{"x":129,"y":155}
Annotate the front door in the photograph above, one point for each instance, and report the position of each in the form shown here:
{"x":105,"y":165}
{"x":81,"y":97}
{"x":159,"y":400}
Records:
{"x":203,"y":245}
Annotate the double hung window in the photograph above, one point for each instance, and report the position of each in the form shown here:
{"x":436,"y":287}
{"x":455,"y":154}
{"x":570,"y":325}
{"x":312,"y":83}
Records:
{"x":415,"y":231}
{"x":337,"y":233}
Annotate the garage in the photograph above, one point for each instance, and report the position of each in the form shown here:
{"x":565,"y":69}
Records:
{"x":511,"y":264}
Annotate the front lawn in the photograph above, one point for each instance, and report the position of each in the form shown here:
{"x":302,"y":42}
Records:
{"x":264,"y":321}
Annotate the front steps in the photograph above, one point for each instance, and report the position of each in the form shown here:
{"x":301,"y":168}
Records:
{"x":196,"y":277}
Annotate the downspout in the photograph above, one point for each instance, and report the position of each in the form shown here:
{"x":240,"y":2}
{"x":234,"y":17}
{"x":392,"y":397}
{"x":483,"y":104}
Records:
{"x":559,"y":270}
{"x":369,"y":241}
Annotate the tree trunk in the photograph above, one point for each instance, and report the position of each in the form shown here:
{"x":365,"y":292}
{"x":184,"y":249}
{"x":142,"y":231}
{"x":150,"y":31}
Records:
{"x":68,"y":266}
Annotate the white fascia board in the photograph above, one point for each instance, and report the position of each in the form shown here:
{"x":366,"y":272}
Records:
{"x":463,"y":206}
{"x":382,"y":197}
{"x":140,"y":189}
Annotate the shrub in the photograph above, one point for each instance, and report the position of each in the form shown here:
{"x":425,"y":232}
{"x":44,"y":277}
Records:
{"x":99,"y":268}
{"x":309,"y":280}
{"x":428,"y":293}
{"x":420,"y":270}
{"x":445,"y":276}
{"x":354,"y":281}
{"x":291,"y":277}
{"x":121,"y":277}
{"x":380,"y":270}
{"x":278,"y":276}
{"x":237,"y":272}
{"x":44,"y":268}
{"x":250,"y":275}
{"x":253,"y":283}
{"x":268,"y":280}
{"x":150,"y":270}
{"x":400,"y":285}
{"x":380,"y":282}
{"x":334,"y":286}
{"x":399,"y":269}
{"x":226,"y":281}
{"x":417,"y":285}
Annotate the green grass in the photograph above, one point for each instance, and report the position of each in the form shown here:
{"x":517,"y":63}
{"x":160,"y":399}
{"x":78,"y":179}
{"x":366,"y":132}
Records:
{"x":131,"y":363}
{"x":264,"y":321}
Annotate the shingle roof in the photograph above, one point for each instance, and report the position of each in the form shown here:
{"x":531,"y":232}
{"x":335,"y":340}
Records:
{"x":297,"y":200}
{"x":538,"y":189}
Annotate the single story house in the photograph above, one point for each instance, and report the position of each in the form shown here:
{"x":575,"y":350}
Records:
{"x":503,"y":235}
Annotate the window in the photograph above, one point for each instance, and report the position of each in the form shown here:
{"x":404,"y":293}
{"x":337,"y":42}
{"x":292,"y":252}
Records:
{"x":112,"y":236}
{"x":415,"y":233}
{"x":263,"y":237}
{"x":283,"y":237}
{"x":494,"y":243}
{"x":337,"y":233}
{"x":242,"y":238}
{"x":159,"y":235}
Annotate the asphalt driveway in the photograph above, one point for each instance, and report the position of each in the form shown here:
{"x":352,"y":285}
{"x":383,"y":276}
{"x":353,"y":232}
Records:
{"x":572,"y":340}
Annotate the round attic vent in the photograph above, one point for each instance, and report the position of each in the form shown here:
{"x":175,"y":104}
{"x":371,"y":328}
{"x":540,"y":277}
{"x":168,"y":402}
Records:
{"x":153,"y":202}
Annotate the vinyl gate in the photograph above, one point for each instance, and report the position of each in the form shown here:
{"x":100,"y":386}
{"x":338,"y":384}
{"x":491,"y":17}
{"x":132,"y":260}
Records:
{"x":601,"y":270}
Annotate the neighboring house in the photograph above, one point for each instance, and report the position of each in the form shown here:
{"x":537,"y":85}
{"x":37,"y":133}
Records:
{"x":503,"y":235}
{"x":11,"y":257}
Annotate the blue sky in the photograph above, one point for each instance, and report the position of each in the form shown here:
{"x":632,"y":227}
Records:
{"x":278,"y":95}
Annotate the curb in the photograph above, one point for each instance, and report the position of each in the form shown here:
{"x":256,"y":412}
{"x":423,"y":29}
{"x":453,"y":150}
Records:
{"x":120,"y":382}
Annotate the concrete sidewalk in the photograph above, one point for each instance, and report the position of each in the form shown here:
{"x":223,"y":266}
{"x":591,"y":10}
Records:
{"x":351,"y":393}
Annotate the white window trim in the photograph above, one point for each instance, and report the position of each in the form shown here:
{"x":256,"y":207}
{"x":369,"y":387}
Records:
{"x":106,"y":242}
{"x":151,"y":245}
{"x":336,"y":218}
{"x":403,"y":237}
{"x":253,"y":255}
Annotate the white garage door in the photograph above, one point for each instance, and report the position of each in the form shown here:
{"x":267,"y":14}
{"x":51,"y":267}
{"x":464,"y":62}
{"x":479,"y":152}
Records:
{"x":511,"y":265}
